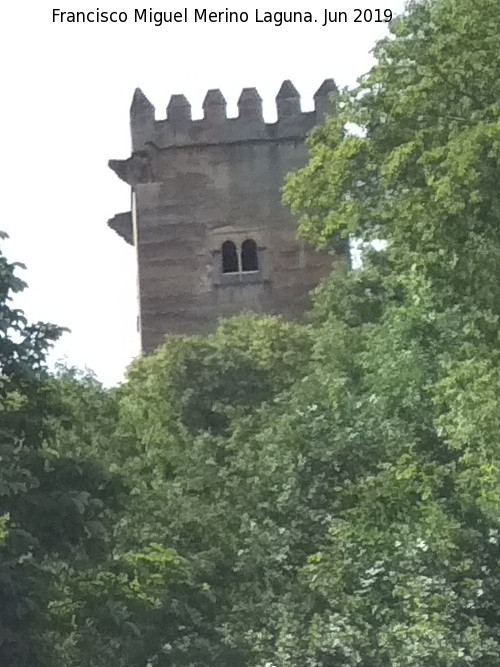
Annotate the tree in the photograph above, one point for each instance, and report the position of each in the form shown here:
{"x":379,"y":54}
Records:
{"x":187,"y":415}
{"x":54,"y":508}
{"x":412,"y":156}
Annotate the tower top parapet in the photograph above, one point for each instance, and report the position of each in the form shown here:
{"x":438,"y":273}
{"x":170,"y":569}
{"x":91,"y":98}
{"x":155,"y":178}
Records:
{"x":178,"y":109}
{"x":214,"y":106}
{"x":250,"y":105}
{"x":288,"y":101}
{"x":178,"y":129}
{"x":323,"y":98}
{"x":140,"y":104}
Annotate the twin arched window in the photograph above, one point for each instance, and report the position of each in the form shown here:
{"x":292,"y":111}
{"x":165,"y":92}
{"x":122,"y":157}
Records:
{"x":240,"y":260}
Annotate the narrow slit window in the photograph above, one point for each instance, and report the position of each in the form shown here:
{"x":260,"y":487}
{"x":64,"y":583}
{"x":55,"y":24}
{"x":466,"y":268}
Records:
{"x":229,"y":257}
{"x":249,"y":260}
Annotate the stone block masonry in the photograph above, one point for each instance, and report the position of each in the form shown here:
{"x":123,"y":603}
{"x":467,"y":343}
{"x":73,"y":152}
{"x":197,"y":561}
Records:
{"x":211,"y":234}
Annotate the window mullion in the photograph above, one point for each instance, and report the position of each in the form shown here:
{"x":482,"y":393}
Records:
{"x":240,"y":259}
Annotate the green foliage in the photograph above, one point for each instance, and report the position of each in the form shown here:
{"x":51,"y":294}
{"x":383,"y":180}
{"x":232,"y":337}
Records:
{"x":207,"y":381}
{"x":419,"y":163}
{"x":186,"y":417}
{"x":405,"y":575}
{"x":140,"y":608}
{"x":53,"y":507}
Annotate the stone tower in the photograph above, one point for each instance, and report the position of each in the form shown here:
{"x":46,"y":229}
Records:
{"x":211,"y":234}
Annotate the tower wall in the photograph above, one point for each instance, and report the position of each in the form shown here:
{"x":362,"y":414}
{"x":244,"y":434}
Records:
{"x":197,"y":184}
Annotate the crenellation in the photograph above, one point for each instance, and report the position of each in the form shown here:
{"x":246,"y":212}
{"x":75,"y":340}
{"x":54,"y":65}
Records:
{"x":178,"y":109}
{"x":250,"y":105}
{"x":142,"y":120}
{"x":288,"y":101}
{"x":214,"y":106}
{"x":178,"y":128}
{"x":141,"y":108}
{"x":323,"y":98}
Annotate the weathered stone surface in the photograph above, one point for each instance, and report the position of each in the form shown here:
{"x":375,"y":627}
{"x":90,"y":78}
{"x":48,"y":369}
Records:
{"x":323,"y":98}
{"x":122,"y":224}
{"x":214,"y":106}
{"x":288,"y":101}
{"x":197,"y":184}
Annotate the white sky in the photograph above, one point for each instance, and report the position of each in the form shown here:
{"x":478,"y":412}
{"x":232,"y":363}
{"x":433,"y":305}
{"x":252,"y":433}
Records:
{"x":67,"y":89}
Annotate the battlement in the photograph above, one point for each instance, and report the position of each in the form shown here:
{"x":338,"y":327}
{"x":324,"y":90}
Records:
{"x":178,"y":129}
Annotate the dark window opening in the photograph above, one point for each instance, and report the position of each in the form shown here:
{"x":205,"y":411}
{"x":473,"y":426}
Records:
{"x":229,"y":257}
{"x":249,"y":260}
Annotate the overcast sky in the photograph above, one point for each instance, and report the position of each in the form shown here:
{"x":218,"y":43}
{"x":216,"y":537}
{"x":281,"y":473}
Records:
{"x":67,"y":90}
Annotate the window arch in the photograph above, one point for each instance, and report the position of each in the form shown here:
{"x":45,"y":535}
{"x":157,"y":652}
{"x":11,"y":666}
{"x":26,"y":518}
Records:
{"x":240,"y":258}
{"x":249,"y":258}
{"x":230,"y":262}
